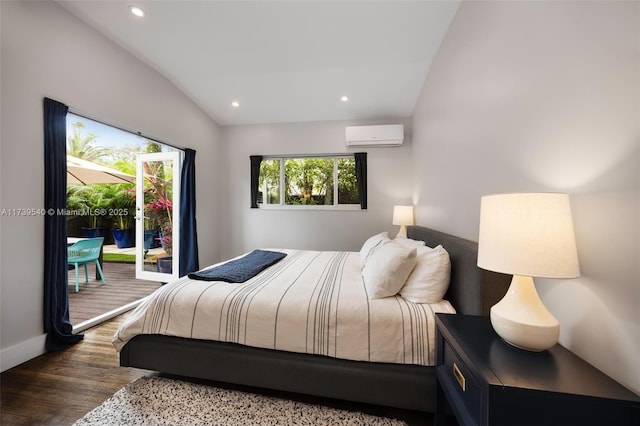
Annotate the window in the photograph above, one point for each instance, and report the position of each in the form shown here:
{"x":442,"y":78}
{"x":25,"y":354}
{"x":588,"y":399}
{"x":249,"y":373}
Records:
{"x":323,"y":182}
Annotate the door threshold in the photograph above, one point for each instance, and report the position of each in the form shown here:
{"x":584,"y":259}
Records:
{"x":104,"y":317}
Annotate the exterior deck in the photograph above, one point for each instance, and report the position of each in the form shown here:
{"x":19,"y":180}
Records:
{"x":95,"y":299}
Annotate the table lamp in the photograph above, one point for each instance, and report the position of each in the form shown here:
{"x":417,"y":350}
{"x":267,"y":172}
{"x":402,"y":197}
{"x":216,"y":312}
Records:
{"x":527,"y":235}
{"x":403,"y":216}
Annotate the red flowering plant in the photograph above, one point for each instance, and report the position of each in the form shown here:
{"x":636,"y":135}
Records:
{"x":163,"y":208}
{"x":158,"y":208}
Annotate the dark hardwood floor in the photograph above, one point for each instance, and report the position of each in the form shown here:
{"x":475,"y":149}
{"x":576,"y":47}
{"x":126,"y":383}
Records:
{"x":58,"y":388}
{"x":95,"y":299}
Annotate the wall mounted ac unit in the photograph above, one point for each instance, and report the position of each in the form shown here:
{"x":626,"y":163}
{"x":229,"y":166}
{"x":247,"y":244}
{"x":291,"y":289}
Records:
{"x":387,"y":135}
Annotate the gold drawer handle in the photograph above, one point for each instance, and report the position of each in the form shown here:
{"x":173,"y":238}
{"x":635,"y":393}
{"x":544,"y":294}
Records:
{"x":459,"y":377}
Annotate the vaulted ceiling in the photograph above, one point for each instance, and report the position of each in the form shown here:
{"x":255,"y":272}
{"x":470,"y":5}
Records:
{"x":283,"y":61}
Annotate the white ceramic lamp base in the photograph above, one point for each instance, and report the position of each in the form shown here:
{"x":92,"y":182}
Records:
{"x":521,"y":318}
{"x":402,"y":233}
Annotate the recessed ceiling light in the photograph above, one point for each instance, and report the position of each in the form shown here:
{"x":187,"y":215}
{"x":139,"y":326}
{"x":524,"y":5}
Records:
{"x":235,"y":104}
{"x":136,"y":11}
{"x":344,"y":99}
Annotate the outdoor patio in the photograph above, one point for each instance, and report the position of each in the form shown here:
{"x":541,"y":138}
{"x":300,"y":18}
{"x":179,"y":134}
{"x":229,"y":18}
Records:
{"x":95,"y":299}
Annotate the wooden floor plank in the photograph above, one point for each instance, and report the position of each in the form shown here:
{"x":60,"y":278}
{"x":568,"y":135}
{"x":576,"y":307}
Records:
{"x":95,"y":299}
{"x":58,"y":388}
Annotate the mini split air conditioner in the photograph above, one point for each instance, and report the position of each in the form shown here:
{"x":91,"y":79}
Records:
{"x":387,"y":135}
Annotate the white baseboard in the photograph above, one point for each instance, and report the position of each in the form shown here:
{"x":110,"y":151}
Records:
{"x":22,"y":352}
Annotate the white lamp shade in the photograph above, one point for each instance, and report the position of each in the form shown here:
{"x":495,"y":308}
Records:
{"x":402,"y":215}
{"x":528,"y":234}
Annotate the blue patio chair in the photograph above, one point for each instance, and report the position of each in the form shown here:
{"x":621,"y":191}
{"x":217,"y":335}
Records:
{"x":83,"y":252}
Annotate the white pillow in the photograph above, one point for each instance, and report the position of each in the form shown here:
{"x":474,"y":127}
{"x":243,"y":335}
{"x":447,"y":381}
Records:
{"x":387,"y":269}
{"x":408,"y":242}
{"x":429,"y":280}
{"x":370,"y":244}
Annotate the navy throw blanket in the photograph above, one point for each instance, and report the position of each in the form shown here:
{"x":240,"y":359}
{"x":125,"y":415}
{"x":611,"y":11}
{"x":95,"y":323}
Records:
{"x":240,"y":270}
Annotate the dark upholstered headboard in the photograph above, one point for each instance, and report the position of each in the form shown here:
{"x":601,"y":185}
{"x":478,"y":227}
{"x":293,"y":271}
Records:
{"x":472,"y":291}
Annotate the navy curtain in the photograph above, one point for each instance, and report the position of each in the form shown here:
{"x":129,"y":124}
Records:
{"x":255,"y":179}
{"x":188,"y":235}
{"x":56,"y":290}
{"x":361,"y":177}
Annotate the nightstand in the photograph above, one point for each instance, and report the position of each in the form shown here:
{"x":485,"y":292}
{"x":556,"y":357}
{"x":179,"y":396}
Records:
{"x":489,"y":382}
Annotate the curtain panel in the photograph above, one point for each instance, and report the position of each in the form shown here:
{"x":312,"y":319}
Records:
{"x":188,"y":234}
{"x":57,"y":325}
{"x":361,"y":176}
{"x":255,"y":179}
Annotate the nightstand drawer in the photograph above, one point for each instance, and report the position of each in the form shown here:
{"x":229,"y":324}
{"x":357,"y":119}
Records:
{"x":466,"y":390}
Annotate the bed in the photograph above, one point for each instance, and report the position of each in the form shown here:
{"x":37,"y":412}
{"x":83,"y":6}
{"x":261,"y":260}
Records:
{"x":367,"y":377}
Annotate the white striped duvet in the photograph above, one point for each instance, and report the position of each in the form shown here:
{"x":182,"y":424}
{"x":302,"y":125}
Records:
{"x":310,"y":302}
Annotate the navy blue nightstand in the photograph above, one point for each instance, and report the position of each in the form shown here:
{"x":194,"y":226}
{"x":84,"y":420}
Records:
{"x":489,"y":382}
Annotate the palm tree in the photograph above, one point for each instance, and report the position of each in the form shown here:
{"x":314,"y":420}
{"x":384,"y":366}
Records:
{"x":80,"y":145}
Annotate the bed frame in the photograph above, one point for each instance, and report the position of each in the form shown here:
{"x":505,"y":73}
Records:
{"x":472,"y":291}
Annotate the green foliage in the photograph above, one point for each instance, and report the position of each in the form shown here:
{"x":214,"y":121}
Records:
{"x":102,"y":201}
{"x":302,"y":201}
{"x":122,"y":205}
{"x":81,"y":145}
{"x":76,"y":200}
{"x":119,"y":257}
{"x":93,"y":198}
{"x":153,"y":147}
{"x":309,"y":181}
{"x":347,"y":182}
{"x":124,"y":158}
{"x":270,"y":181}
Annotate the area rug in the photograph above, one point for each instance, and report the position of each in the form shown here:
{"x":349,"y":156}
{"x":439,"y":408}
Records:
{"x":163,"y":401}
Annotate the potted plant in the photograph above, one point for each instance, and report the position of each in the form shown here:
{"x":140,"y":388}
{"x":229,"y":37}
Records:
{"x":164,"y":209}
{"x":122,"y":209}
{"x":151,"y":227}
{"x":94,"y":207}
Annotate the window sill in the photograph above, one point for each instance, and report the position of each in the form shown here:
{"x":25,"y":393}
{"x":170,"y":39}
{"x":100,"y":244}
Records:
{"x":345,"y":207}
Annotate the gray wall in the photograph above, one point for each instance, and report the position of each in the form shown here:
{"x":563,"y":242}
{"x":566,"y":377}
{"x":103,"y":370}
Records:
{"x":389,"y":180}
{"x":48,"y":52}
{"x":543,"y":96}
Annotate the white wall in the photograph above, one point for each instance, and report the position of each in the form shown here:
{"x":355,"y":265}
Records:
{"x":543,"y":96}
{"x":389,"y":183}
{"x":48,"y":52}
